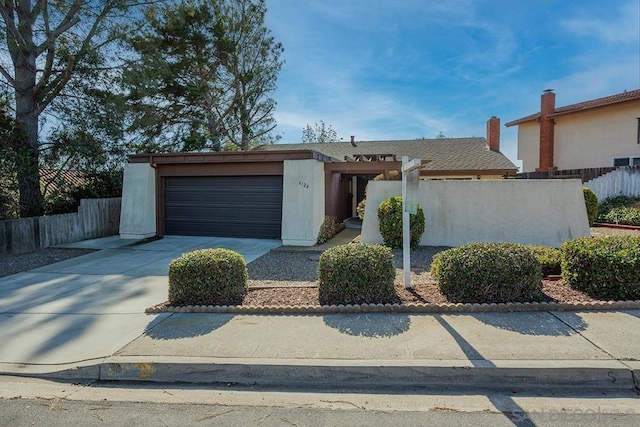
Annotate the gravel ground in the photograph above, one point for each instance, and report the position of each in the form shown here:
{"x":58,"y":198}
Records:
{"x":12,"y":264}
{"x":282,"y":278}
{"x":290,"y":278}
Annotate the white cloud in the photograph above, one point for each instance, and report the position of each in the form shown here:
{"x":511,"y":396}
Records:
{"x":623,"y":28}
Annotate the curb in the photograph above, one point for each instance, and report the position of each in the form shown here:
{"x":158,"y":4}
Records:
{"x":351,"y":374}
{"x":402,"y":308}
{"x":373,"y":373}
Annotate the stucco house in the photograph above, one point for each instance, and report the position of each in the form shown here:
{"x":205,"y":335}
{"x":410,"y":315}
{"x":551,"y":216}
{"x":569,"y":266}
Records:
{"x":601,"y":132}
{"x":284,"y":191}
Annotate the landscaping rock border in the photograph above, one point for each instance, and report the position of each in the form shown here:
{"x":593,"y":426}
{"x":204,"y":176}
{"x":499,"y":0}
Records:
{"x":402,"y":308}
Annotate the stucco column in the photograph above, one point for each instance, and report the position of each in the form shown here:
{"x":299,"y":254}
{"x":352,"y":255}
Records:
{"x":302,"y":202}
{"x":138,"y":211}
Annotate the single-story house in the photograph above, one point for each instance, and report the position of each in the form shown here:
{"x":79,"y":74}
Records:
{"x":284,"y":191}
{"x":601,"y":132}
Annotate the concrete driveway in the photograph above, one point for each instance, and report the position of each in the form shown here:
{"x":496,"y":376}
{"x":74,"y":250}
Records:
{"x":88,"y":307}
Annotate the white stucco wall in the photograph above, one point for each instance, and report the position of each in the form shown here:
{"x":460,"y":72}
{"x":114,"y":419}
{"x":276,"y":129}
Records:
{"x":529,"y":146}
{"x":138,"y":212}
{"x":593,"y":138}
{"x":541,"y":212}
{"x":303,"y":202}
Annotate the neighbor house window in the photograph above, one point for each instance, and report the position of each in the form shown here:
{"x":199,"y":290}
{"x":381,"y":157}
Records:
{"x":626,"y":161}
{"x":638,"y":139}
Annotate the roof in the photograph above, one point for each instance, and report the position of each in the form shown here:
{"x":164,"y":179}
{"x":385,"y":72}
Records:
{"x":61,"y":179}
{"x":581,"y":106}
{"x":446,"y":154}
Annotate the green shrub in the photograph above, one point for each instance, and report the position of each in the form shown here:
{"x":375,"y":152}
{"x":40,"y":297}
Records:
{"x":390,"y":217}
{"x":356,"y":274}
{"x":605,"y":267}
{"x":488,"y":273}
{"x":360,"y":208}
{"x":208,"y":277}
{"x":622,"y":215}
{"x":620,"y":210}
{"x":548,"y":258}
{"x":591,"y":201}
{"x":329,"y":228}
{"x":393,"y":175}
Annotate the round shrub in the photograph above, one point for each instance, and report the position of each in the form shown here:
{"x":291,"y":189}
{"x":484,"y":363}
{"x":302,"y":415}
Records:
{"x":591,"y":201}
{"x":390,"y":217}
{"x":548,"y":258}
{"x":356,"y":274}
{"x":208,"y":277}
{"x":605,"y":267}
{"x":488,"y":272}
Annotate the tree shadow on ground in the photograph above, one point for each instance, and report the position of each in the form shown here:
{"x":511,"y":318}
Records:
{"x":540,"y":323}
{"x":509,"y":408}
{"x":187,"y":325}
{"x":371,"y":325}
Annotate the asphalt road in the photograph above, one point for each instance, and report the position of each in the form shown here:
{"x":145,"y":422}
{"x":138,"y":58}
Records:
{"x":35,"y":402}
{"x":55,"y":412}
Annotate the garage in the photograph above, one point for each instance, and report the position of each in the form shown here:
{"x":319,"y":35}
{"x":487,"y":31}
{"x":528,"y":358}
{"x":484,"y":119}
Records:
{"x":223,"y":206}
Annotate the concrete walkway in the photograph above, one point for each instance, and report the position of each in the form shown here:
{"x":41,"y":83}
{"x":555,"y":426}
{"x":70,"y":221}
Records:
{"x":84,"y":319}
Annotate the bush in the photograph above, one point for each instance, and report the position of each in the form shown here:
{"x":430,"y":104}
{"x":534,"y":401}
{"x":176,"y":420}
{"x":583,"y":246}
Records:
{"x":620,"y":210}
{"x":605,"y":267}
{"x":208,"y":277}
{"x":548,"y":258}
{"x":393,"y":175}
{"x":488,"y":272}
{"x":356,"y":274}
{"x":360,"y":208}
{"x":390,"y":217}
{"x":329,"y":228}
{"x":622,"y":215}
{"x":591,"y":201}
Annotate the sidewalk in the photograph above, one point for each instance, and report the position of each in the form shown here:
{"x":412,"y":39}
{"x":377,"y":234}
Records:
{"x":84,"y":320}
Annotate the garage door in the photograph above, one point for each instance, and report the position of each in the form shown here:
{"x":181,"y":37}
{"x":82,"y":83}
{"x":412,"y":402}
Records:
{"x":230,"y":206}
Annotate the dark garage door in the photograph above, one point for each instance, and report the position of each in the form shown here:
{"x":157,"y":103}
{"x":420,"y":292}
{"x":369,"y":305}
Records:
{"x":229,"y":206}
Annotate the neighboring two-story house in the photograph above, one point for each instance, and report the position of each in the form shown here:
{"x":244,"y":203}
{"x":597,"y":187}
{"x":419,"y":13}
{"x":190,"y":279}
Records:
{"x":600,"y":132}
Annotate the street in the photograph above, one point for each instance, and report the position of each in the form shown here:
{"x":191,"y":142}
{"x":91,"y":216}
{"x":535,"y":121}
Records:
{"x":34,"y":402}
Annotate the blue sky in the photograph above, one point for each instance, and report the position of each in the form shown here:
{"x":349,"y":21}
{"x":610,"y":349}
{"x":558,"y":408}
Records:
{"x":405,"y":69}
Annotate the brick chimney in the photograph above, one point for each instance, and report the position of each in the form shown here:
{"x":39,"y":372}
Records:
{"x":547,"y":132}
{"x":493,"y":134}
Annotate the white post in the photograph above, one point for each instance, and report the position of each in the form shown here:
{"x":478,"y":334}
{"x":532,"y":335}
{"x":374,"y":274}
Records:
{"x":406,"y":232}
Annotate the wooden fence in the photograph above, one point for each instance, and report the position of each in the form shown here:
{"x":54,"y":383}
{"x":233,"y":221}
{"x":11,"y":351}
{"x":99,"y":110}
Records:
{"x":95,"y":218}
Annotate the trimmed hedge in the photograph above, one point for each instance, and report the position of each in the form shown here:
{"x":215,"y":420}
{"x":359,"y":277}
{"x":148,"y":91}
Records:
{"x":356,"y":274}
{"x":488,"y":273}
{"x":548,"y":258}
{"x":591,"y":202}
{"x":605,"y":267}
{"x":208,"y":277}
{"x":390,"y":217}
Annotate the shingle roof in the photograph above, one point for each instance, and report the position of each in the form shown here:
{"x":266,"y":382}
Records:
{"x":446,"y":154}
{"x":580,"y":106}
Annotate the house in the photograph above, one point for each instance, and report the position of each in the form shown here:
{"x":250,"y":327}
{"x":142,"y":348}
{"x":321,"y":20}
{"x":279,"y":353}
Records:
{"x":284,"y":191}
{"x":601,"y":132}
{"x":353,"y":164}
